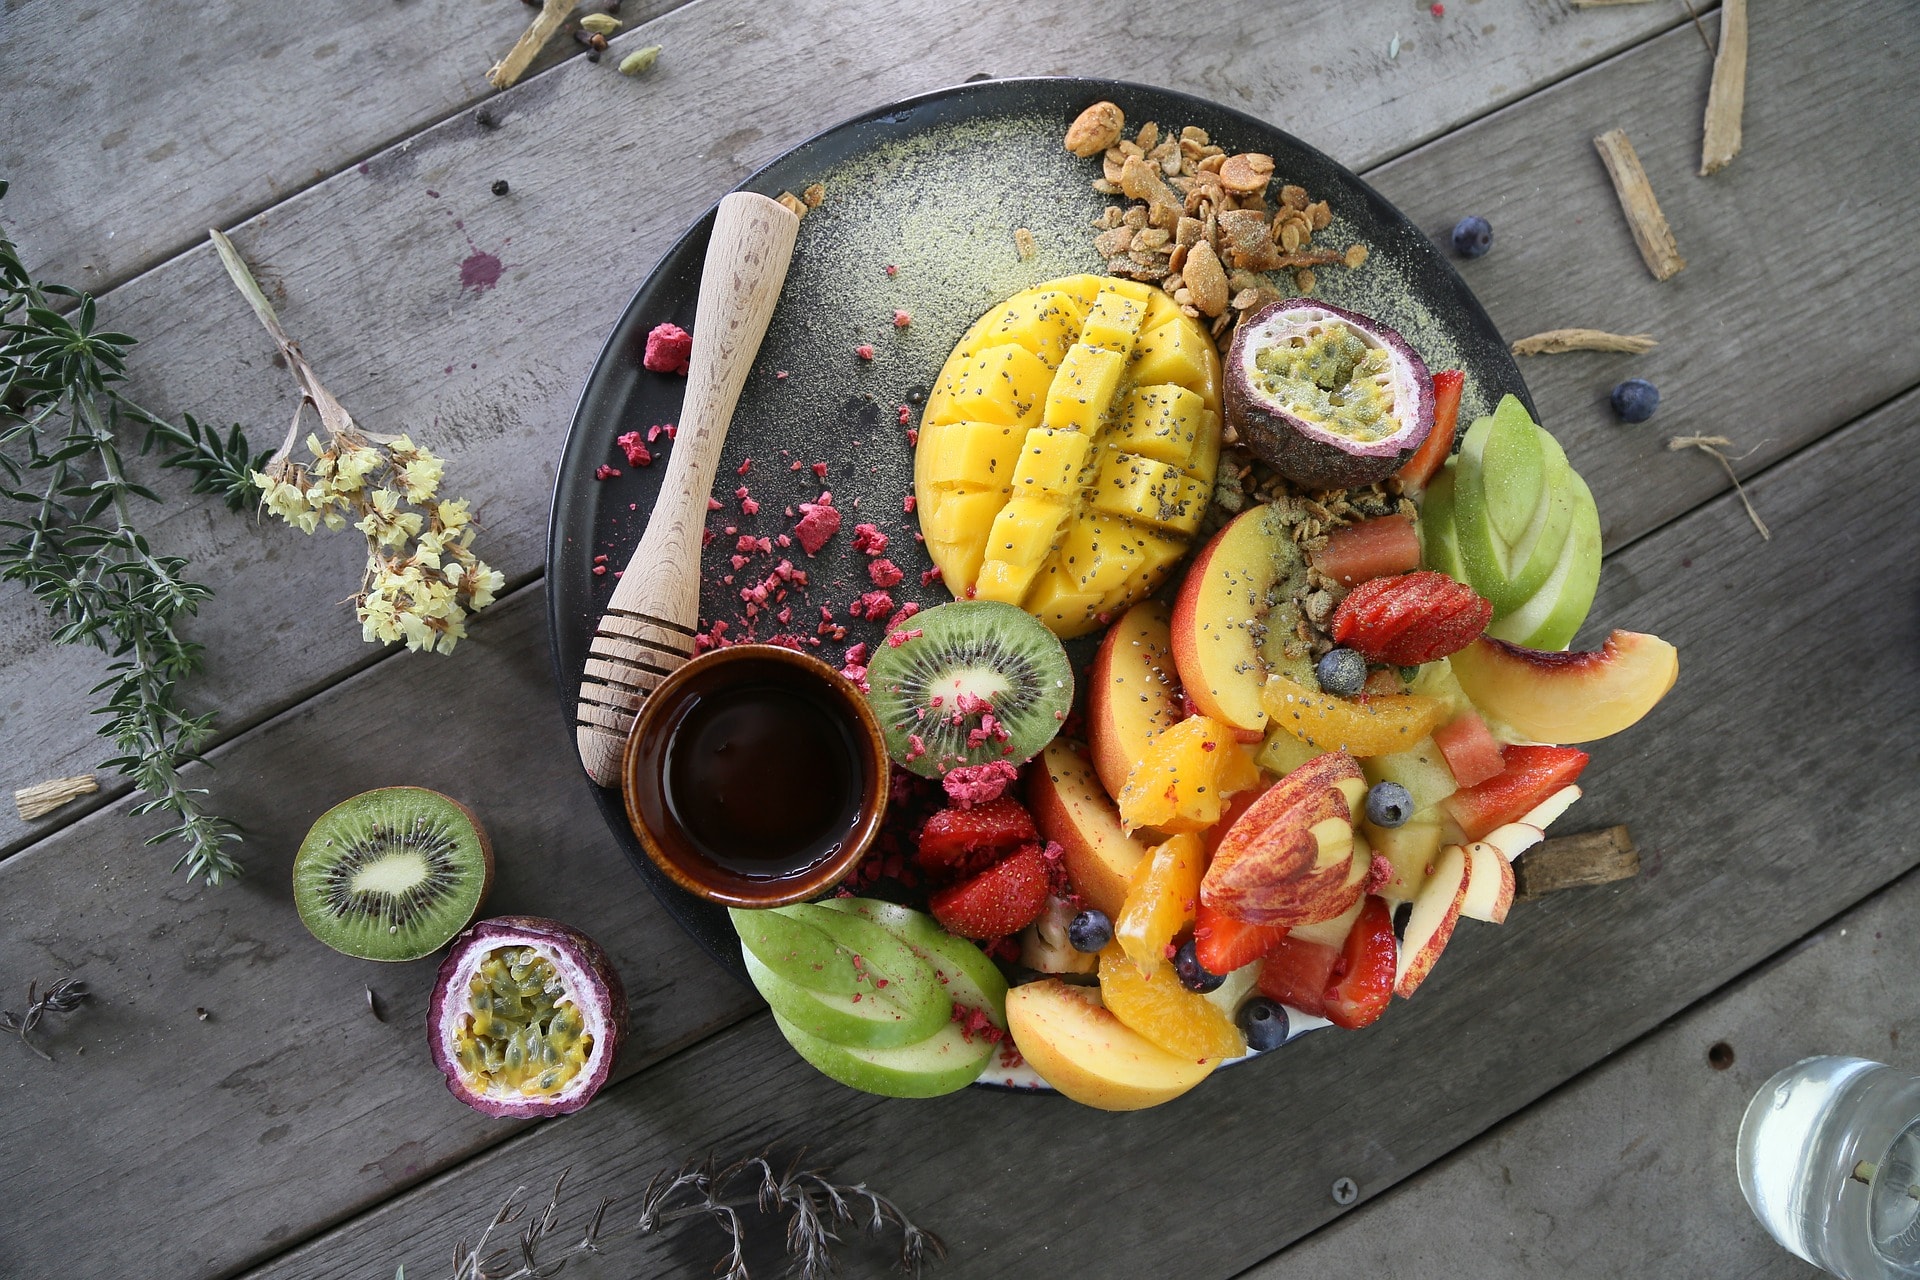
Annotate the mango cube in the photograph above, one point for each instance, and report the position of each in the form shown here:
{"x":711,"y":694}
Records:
{"x":968,"y":455}
{"x":1002,"y":384}
{"x":1083,"y":388}
{"x":1161,"y":422}
{"x":1178,"y":353}
{"x":1044,"y":321}
{"x":1114,"y":322}
{"x":1050,"y":463}
{"x":1149,"y":491}
{"x":1023,"y":532}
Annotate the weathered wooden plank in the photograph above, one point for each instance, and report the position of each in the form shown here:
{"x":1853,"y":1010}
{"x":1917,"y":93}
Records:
{"x":1757,"y":820}
{"x":210,"y":1143}
{"x":1628,"y":1170}
{"x":206,"y":114}
{"x":1575,"y":862}
{"x":604,"y":172}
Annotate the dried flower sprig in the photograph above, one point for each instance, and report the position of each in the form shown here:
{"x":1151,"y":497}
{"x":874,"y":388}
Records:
{"x":68,"y":506}
{"x":422,"y":578}
{"x":62,"y":997}
{"x":818,"y":1210}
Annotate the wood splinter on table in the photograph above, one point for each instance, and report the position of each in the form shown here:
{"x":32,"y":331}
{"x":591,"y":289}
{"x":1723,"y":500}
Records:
{"x":1554,"y":342}
{"x":1574,"y":862}
{"x":1727,"y":96}
{"x":42,"y":798}
{"x":1649,"y":225}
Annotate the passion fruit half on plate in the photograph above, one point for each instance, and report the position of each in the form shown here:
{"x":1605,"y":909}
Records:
{"x":1329,"y":398}
{"x":527,"y":1017}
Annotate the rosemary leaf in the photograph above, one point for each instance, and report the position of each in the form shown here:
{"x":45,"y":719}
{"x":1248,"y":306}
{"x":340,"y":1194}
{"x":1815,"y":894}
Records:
{"x":69,"y":535}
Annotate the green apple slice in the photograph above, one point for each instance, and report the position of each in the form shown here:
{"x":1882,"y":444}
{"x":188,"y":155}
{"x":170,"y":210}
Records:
{"x":1533,"y":556}
{"x":1553,"y":616}
{"x":797,"y":951}
{"x":1439,"y":545}
{"x":963,"y":969}
{"x":941,"y":1063}
{"x":879,"y":1017}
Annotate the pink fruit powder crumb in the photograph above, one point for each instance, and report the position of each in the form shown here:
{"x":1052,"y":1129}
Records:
{"x":973,"y":784}
{"x":864,"y":351}
{"x":819,"y":521}
{"x":603,"y":472}
{"x":884,"y":573}
{"x":637,"y":453}
{"x":868,"y":538}
{"x":873,"y":605}
{"x":897,"y":638}
{"x":669,"y":349}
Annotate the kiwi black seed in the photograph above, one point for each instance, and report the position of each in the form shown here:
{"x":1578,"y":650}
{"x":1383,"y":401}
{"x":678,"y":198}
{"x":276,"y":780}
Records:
{"x":392,"y":874}
{"x":992,"y":651}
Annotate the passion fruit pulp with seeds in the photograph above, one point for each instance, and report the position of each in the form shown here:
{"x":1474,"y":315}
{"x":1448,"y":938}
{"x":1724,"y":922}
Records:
{"x":969,"y":683}
{"x":527,"y":1019}
{"x":1329,"y":398}
{"x":392,"y":874}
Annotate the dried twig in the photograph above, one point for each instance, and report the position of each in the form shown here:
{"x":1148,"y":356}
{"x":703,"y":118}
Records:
{"x":1728,"y":95}
{"x":42,"y":798}
{"x":1649,"y":225}
{"x":1713,"y":445}
{"x":1555,"y":341}
{"x":817,"y":1209}
{"x":532,"y":40}
{"x":62,"y":997}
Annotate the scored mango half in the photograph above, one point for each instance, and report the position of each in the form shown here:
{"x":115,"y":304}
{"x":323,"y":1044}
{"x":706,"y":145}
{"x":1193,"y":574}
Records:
{"x":1068,"y":450}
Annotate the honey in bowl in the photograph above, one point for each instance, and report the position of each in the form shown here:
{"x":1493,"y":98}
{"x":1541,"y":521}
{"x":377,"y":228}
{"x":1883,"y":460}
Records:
{"x":755,"y":776}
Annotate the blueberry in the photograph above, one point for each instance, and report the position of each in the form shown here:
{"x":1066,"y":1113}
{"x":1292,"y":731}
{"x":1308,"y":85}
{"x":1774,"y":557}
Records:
{"x":1472,"y":237}
{"x":1389,"y":804}
{"x":1194,"y":976}
{"x":1264,"y":1023}
{"x":1090,"y":931}
{"x":1341,"y":671}
{"x":1635,"y":400}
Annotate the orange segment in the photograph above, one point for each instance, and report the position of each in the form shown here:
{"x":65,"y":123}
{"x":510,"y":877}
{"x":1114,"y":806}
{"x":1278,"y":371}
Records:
{"x":1162,"y":895}
{"x":1186,"y":776}
{"x":1376,"y":727}
{"x":1155,"y":1005}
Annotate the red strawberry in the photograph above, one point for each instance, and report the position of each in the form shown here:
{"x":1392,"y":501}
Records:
{"x":1532,"y":774}
{"x":958,"y":842}
{"x":1411,"y":619}
{"x":1223,"y":944}
{"x":1003,"y":899}
{"x":1296,"y":972}
{"x":1362,"y":980}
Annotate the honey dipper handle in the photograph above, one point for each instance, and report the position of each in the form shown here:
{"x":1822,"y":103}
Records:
{"x":650,"y":622}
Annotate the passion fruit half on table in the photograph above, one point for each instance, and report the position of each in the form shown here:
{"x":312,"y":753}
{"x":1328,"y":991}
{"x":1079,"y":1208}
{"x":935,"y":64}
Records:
{"x":1329,"y":398}
{"x":527,"y":1017}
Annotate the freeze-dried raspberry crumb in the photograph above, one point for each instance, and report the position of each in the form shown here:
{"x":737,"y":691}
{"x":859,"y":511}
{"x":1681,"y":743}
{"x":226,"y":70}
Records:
{"x":820,"y":469}
{"x":706,"y":537}
{"x":745,"y":463}
{"x":864,"y":351}
{"x":749,"y":507}
{"x":637,"y":454}
{"x":916,"y":746}
{"x":973,"y":784}
{"x":901,"y":319}
{"x":783,"y":540}
{"x":897,"y":638}
{"x":780,"y":376}
{"x":819,"y":521}
{"x":739,"y":561}
{"x":603,"y":471}
{"x":669,"y":349}
{"x":873,"y":605}
{"x":906,"y":415}
{"x":713,"y":504}
{"x":908,"y":503}
{"x":892,"y":270}
{"x":599,"y":571}
{"x":930,"y":576}
{"x":868,"y":538}
{"x":884,"y":573}
{"x":666,"y":429}
{"x":907,"y":610}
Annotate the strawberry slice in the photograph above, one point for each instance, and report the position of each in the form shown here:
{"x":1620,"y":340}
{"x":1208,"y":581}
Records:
{"x":1411,"y":619}
{"x":1531,"y":775}
{"x":1370,"y":549}
{"x":1471,"y":752}
{"x":1223,"y":944}
{"x":1362,"y":980}
{"x":959,"y":842}
{"x":1433,"y":451}
{"x":1003,"y":899}
{"x":1296,"y":972}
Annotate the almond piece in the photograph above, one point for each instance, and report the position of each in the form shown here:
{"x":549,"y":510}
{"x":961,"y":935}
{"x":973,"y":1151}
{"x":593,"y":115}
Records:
{"x":1247,"y":173}
{"x":1206,"y":278}
{"x":1095,"y":129}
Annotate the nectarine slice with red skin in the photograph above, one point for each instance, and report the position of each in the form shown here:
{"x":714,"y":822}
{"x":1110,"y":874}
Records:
{"x":1223,"y":601}
{"x":1532,"y":774}
{"x":1070,"y":807}
{"x":1133,"y":691}
{"x":1472,"y":753}
{"x":1567,"y":697}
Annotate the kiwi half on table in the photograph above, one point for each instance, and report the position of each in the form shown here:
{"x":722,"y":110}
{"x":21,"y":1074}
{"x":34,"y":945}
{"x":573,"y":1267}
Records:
{"x":392,"y":874}
{"x":959,"y":663}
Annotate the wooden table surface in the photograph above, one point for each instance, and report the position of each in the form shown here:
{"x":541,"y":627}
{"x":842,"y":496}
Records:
{"x":227,"y":1106}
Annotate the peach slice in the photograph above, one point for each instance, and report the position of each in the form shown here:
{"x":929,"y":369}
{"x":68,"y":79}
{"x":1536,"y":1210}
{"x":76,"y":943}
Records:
{"x":1220,"y":615}
{"x":1435,"y":911}
{"x":1071,"y":809}
{"x":1567,"y":698}
{"x":1489,"y":883}
{"x":1377,"y":726}
{"x":1133,"y":692}
{"x":1089,"y":1055}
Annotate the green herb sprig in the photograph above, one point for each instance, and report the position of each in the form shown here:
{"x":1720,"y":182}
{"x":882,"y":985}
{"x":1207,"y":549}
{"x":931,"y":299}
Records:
{"x":75,"y":544}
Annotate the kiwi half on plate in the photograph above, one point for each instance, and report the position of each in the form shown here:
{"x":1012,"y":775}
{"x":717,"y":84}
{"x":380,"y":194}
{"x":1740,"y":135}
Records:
{"x":392,"y":874}
{"x":971,"y":682}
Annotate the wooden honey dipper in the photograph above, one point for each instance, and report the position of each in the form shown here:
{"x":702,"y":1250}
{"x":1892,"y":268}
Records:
{"x":650,"y":622}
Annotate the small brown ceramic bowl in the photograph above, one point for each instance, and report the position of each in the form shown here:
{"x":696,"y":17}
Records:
{"x":755,"y":776}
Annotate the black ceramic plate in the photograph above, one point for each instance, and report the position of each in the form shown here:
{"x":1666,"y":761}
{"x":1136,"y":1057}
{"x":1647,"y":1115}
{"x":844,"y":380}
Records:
{"x":922,"y":199}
